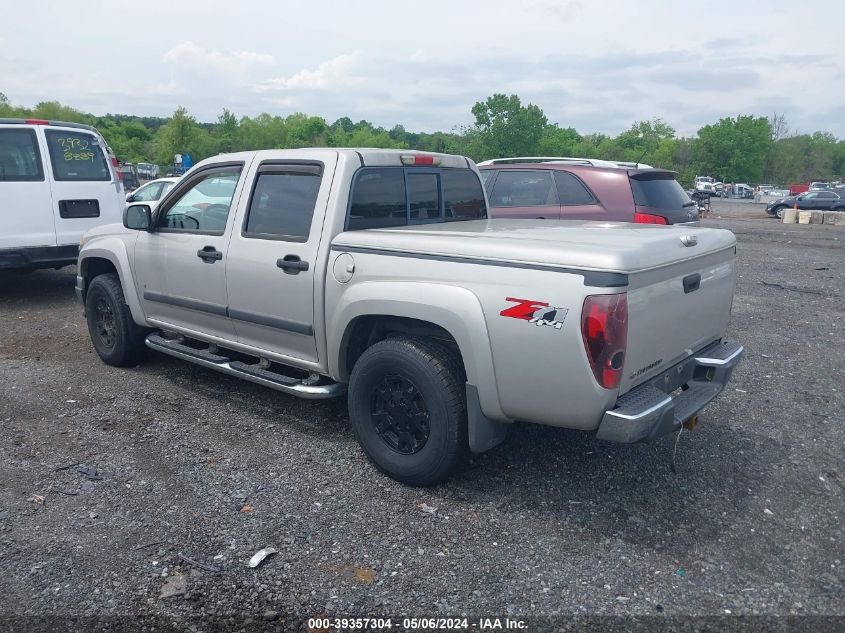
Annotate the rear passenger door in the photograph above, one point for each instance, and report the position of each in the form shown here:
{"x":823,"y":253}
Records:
{"x":272,"y":272}
{"x":576,"y":200}
{"x":84,"y":192}
{"x":26,"y":208}
{"x":524,"y":193}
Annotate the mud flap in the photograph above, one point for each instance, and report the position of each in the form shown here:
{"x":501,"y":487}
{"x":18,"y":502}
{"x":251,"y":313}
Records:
{"x":484,"y":433}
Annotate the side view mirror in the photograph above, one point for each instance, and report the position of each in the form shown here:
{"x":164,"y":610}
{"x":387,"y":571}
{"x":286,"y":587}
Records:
{"x":138,"y":217}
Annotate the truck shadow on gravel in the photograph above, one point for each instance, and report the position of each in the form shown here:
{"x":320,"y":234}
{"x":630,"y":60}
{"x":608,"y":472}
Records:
{"x":624,"y":492}
{"x":612,"y":491}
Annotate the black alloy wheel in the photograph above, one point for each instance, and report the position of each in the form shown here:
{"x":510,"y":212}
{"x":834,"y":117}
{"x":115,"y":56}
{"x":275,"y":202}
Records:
{"x":400,"y":414}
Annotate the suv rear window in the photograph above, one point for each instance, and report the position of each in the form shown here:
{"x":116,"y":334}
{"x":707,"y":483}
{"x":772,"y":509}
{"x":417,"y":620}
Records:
{"x":20,"y":159}
{"x":76,"y":156}
{"x":658,"y":191}
{"x":395,"y":196}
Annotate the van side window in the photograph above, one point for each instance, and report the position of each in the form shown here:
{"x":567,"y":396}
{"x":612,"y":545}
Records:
{"x":282,"y":204}
{"x":20,"y":159}
{"x":391,"y":196}
{"x":76,"y":156}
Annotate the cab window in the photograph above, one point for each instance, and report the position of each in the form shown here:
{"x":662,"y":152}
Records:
{"x":204,"y":207}
{"x":393,"y":196}
{"x":282,"y":203}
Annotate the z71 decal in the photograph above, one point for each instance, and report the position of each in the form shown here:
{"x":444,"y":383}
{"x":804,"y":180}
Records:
{"x":536,"y":312}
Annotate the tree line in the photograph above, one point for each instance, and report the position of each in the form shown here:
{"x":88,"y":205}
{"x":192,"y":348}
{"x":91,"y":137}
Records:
{"x":745,"y":148}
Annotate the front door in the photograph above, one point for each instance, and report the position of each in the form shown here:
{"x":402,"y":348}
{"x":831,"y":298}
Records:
{"x":26,"y":208}
{"x":272,"y":262}
{"x":181,"y":264}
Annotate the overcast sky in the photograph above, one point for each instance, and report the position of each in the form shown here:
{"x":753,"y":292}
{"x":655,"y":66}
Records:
{"x":591,"y":64}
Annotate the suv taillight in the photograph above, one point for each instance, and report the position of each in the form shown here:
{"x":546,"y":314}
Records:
{"x":604,"y":328}
{"x":648,"y":218}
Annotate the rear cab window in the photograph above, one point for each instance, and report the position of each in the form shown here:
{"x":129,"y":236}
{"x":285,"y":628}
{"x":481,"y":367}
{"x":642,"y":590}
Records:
{"x":658,"y":191}
{"x":395,"y":196}
{"x":20,"y":160}
{"x":77,"y":156}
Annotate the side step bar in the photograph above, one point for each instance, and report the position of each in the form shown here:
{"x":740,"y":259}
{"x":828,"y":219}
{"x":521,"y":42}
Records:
{"x":221,"y":363}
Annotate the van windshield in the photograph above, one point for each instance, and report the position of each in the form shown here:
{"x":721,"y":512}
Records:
{"x":76,"y":156}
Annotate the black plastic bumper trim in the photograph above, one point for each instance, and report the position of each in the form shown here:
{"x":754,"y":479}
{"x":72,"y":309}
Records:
{"x":39,"y":256}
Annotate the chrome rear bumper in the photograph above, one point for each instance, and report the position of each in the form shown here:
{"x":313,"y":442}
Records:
{"x":650,"y":410}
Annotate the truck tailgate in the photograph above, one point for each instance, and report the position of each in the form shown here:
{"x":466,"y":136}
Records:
{"x":675,"y":310}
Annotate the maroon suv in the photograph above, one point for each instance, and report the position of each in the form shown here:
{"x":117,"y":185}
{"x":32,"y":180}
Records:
{"x":585,"y":189}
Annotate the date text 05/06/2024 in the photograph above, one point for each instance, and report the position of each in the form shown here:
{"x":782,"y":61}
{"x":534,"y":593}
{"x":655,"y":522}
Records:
{"x":413,"y":624}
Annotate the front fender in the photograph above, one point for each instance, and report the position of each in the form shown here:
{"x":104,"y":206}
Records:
{"x":456,"y":310}
{"x":113,"y":249}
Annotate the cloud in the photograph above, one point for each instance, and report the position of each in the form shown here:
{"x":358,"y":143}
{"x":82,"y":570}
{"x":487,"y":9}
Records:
{"x":336,"y":72}
{"x":562,"y":10}
{"x":191,"y":55}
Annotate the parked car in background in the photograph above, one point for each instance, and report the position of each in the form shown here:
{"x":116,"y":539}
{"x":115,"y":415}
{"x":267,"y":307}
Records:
{"x":151,"y":191}
{"x":57,"y":180}
{"x":147,"y":171}
{"x":742,"y":190}
{"x":820,"y":200}
{"x":129,"y":175}
{"x":819,"y":186}
{"x":585,"y":189}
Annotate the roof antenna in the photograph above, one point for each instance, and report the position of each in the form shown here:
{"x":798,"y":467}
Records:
{"x":641,"y":159}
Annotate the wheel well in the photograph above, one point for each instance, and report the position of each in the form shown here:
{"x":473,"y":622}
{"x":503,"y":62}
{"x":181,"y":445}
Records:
{"x":94,"y":267}
{"x":366,"y":331}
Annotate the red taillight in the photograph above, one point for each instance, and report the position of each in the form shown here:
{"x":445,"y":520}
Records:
{"x":604,"y":328}
{"x":648,"y":218}
{"x":115,"y":164}
{"x":38,"y":121}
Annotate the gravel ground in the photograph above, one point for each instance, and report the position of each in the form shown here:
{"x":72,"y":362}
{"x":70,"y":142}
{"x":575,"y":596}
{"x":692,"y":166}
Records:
{"x":111,"y":478}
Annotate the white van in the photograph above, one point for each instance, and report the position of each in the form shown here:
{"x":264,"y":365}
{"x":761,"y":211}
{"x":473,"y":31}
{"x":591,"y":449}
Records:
{"x":57,"y":180}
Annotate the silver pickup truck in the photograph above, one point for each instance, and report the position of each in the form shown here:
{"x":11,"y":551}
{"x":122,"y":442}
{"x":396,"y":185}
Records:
{"x":319,"y":272}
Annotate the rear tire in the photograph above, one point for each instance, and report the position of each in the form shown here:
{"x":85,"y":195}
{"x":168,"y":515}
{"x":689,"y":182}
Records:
{"x":117,"y":339}
{"x":407,"y":403}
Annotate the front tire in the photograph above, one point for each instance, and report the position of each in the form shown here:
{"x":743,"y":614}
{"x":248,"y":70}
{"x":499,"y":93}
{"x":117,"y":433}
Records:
{"x":407,"y":403}
{"x":117,"y":339}
{"x":779,"y":212}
